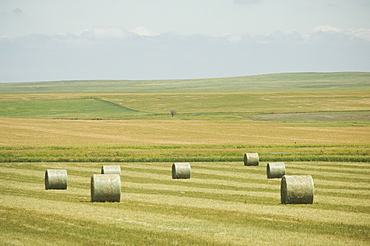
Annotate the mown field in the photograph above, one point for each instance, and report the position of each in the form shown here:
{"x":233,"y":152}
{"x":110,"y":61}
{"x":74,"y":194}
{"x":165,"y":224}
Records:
{"x":224,"y":203}
{"x":317,"y":123}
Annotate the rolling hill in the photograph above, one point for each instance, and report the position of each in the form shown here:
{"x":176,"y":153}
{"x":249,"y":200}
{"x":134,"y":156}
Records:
{"x":285,"y":81}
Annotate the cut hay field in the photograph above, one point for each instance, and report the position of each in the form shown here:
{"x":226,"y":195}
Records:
{"x":317,"y":123}
{"x":223,"y":203}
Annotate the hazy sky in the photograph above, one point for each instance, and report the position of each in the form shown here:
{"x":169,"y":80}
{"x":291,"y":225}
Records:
{"x":164,"y":39}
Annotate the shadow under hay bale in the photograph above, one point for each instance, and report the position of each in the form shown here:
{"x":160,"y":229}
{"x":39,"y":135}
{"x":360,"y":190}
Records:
{"x":251,"y":159}
{"x":111,"y":169}
{"x":297,"y":189}
{"x":275,"y":170}
{"x":105,"y":188}
{"x":181,"y":170}
{"x":56,"y":179}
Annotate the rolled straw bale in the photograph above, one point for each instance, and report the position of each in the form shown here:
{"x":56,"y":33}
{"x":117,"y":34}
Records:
{"x":275,"y":170}
{"x":111,"y":169}
{"x":297,"y":189}
{"x":56,"y":179}
{"x":181,"y":170}
{"x":105,"y":188}
{"x":251,"y":159}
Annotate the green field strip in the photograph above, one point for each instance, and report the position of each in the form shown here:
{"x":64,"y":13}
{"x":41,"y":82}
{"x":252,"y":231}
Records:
{"x":356,"y":177}
{"x":109,"y":155}
{"x":349,"y":178}
{"x":330,"y":184}
{"x":334,"y":170}
{"x":339,"y":165}
{"x":361,"y":196}
{"x":344,"y":208}
{"x":352,"y":202}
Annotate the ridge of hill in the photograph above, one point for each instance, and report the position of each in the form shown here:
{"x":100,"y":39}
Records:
{"x":281,"y":81}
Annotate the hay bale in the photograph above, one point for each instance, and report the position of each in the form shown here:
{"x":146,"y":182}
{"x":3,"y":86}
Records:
{"x":275,"y":170}
{"x":111,"y":169}
{"x":181,"y":170}
{"x":56,"y":179}
{"x":105,"y":188}
{"x":297,"y":189}
{"x":251,"y":159}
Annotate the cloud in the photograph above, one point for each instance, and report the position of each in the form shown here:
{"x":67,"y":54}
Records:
{"x":104,"y":33}
{"x":115,"y":53}
{"x":17,"y":11}
{"x":361,"y":33}
{"x":326,"y":29}
{"x":143,"y":31}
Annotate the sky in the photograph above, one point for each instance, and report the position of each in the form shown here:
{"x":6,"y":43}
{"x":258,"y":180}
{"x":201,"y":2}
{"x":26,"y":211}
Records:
{"x":51,"y":40}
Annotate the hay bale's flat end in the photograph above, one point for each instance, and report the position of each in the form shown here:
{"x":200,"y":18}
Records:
{"x":251,"y":159}
{"x":181,"y":170}
{"x":297,"y":189}
{"x":275,"y":170}
{"x":56,"y":179}
{"x":111,"y":169}
{"x":105,"y":188}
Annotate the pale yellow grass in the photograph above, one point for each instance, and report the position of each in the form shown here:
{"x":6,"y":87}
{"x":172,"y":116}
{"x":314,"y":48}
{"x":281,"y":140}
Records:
{"x":49,"y":132}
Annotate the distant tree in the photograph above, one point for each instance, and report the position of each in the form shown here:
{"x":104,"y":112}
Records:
{"x":172,"y":112}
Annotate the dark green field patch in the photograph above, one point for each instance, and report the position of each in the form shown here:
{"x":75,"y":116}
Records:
{"x":68,"y":109}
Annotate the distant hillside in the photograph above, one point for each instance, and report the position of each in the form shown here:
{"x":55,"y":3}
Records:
{"x":283,"y":81}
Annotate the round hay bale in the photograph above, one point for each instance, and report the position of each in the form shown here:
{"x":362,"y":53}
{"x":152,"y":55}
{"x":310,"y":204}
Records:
{"x":105,"y":188}
{"x":275,"y":170}
{"x":297,"y":189}
{"x":251,"y":159}
{"x":181,"y":170}
{"x":111,"y":169}
{"x":56,"y":179}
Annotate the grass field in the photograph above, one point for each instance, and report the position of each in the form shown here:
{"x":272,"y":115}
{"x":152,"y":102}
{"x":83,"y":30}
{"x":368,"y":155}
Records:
{"x":224,"y":203}
{"x":317,"y":123}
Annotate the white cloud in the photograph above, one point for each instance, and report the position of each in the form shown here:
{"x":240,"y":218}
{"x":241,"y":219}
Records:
{"x":327,"y":29}
{"x":234,"y":38}
{"x":104,"y":33}
{"x":143,"y":31}
{"x":361,"y":33}
{"x":230,"y":37}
